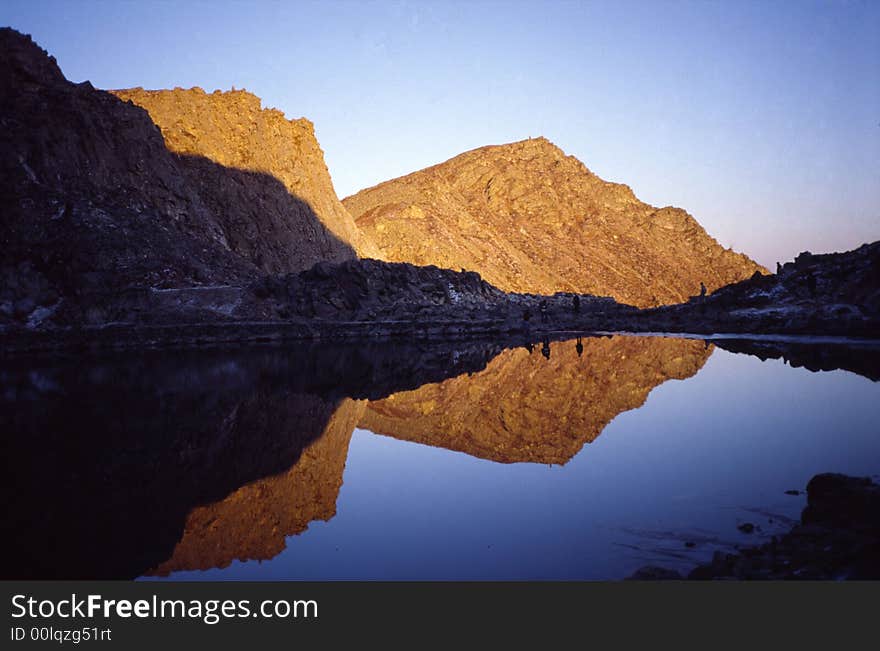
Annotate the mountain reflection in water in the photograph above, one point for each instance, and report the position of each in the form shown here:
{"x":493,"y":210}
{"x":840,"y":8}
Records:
{"x":163,"y":462}
{"x":525,"y":408}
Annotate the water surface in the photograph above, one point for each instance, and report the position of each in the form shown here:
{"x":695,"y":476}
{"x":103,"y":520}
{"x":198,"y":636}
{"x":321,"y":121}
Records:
{"x":580,"y":459}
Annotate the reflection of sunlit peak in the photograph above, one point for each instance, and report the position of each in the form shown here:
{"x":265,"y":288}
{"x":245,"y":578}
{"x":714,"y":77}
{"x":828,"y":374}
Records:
{"x":530,"y":407}
{"x":253,"y":522}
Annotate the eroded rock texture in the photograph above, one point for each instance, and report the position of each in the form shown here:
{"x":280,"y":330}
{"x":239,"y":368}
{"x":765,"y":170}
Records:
{"x":528,"y":218}
{"x":831,"y":293}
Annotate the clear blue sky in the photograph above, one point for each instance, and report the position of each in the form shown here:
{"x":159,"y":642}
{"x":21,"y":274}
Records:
{"x":761,"y":119}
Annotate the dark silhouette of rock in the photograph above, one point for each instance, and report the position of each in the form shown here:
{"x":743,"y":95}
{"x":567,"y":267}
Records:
{"x":653,"y":573}
{"x":838,"y":538}
{"x":252,"y":523}
{"x":114,"y":231}
{"x":835,"y":500}
{"x":834,"y":293}
{"x":109,"y":458}
{"x":374,"y":290}
{"x":861,"y":357}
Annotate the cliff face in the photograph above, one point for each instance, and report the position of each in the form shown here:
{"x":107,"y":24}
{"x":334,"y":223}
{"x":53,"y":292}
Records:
{"x":528,"y":218}
{"x":98,"y":202}
{"x":92,"y":200}
{"x":280,"y":228}
{"x":525,"y":408}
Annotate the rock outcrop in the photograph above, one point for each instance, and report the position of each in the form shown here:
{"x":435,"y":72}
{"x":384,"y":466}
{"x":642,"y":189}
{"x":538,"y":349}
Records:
{"x":838,"y":538}
{"x":530,"y":219}
{"x":226,"y":216}
{"x":525,"y":408}
{"x":832,"y":293}
{"x":371,"y":289}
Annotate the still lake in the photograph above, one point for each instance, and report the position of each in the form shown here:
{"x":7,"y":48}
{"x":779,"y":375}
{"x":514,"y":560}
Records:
{"x":577,"y":459}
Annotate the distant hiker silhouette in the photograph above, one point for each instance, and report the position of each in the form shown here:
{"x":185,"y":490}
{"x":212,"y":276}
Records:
{"x":545,"y":349}
{"x":579,"y":347}
{"x":702,"y":290}
{"x":778,"y":268}
{"x":576,"y":304}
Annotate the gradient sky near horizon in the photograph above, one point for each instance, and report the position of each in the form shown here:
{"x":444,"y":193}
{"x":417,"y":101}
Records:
{"x":762,"y":119}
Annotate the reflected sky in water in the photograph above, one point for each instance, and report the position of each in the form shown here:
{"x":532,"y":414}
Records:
{"x":701,"y":456}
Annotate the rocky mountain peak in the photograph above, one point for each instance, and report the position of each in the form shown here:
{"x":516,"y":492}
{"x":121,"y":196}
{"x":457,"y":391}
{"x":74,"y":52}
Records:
{"x":530,"y":218}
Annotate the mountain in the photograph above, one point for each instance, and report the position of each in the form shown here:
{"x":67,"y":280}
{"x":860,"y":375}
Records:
{"x":99,"y":202}
{"x":528,"y":218}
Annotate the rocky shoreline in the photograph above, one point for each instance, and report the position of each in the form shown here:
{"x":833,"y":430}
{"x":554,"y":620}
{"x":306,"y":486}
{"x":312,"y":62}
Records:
{"x":838,"y":538}
{"x":357,"y":299}
{"x":830,"y":295}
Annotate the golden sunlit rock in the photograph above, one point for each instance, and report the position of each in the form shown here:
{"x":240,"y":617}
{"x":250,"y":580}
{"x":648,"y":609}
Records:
{"x":233,"y":130}
{"x":528,"y":218}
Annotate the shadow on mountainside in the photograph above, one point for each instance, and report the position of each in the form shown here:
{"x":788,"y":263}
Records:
{"x":95,"y":205}
{"x":275,"y":230}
